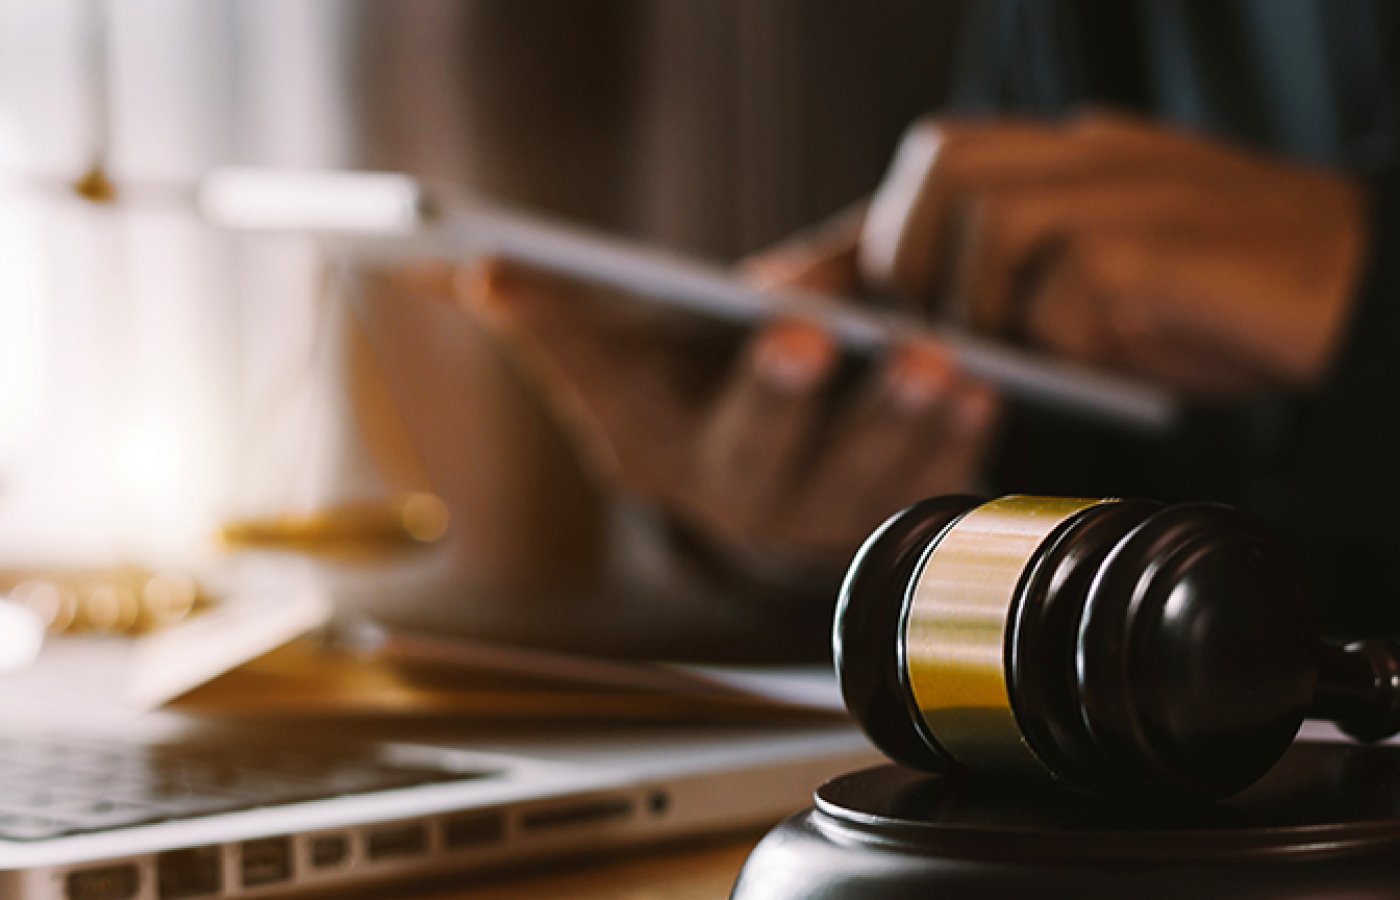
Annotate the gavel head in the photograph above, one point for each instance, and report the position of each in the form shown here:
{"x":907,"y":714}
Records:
{"x":1117,"y":645}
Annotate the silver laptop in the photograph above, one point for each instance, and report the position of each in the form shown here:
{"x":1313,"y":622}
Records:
{"x":167,"y":809}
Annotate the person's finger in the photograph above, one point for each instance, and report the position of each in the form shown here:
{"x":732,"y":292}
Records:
{"x":853,"y":482}
{"x":821,"y":260}
{"x":1175,"y":152}
{"x":597,"y":367}
{"x":1116,"y":300}
{"x":513,"y":298}
{"x":1196,"y":369}
{"x":902,"y":241}
{"x":1007,"y":234}
{"x":905,"y":243}
{"x":1242,"y":300}
{"x":951,"y":456}
{"x":435,"y":279}
{"x":1064,"y":310}
{"x":750,"y":445}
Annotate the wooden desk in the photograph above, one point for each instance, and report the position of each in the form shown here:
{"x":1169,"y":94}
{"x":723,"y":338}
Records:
{"x":694,"y":871}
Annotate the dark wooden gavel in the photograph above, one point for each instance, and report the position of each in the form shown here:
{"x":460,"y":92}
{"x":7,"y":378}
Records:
{"x":1118,"y":645}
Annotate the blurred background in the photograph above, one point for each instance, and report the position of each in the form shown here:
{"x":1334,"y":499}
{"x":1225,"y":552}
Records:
{"x":159,"y":376}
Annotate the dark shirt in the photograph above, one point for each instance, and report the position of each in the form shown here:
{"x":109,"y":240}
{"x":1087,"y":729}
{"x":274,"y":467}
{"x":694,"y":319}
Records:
{"x":1313,"y":80}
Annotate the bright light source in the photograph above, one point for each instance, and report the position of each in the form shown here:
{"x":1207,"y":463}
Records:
{"x":22,"y":338}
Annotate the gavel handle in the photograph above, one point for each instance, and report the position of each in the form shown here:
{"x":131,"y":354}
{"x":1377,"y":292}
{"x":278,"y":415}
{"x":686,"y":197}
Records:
{"x":1358,"y":687}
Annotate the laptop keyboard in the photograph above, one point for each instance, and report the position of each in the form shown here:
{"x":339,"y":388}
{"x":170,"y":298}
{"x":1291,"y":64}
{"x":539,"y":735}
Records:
{"x":53,"y":787}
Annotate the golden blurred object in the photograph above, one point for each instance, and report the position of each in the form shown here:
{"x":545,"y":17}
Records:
{"x":95,"y":187}
{"x":55,"y":604}
{"x":110,"y":609}
{"x":166,"y":598}
{"x":408,"y":520}
{"x":123,"y":600}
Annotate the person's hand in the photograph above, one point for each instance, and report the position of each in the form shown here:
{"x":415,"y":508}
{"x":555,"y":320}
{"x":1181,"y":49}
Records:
{"x":763,"y":460}
{"x":1125,"y":245}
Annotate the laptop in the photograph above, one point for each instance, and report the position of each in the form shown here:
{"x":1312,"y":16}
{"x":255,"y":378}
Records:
{"x":167,"y":808}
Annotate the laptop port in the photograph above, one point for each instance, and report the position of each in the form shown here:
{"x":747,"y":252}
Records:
{"x":474,"y":830}
{"x":397,"y":841}
{"x":107,"y":883}
{"x":196,"y":872}
{"x":591,"y":812}
{"x":329,"y":850}
{"x":266,"y":861}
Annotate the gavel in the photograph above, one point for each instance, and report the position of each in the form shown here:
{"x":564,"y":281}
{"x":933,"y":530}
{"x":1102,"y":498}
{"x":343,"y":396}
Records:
{"x":1123,"y":646}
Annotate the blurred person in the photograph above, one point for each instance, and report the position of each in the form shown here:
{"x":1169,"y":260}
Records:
{"x":1224,"y":232}
{"x":672,"y":122}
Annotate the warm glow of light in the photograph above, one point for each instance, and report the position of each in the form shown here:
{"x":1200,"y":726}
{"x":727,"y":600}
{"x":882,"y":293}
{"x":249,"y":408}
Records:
{"x":162,"y":484}
{"x":21,"y":636}
{"x":22,"y":340}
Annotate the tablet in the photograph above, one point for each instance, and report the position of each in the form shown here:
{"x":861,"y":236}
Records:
{"x":664,"y":278}
{"x":391,"y":217}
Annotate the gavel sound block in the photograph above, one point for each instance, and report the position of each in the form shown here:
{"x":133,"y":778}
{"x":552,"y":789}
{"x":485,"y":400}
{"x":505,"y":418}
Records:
{"x":1085,"y":680}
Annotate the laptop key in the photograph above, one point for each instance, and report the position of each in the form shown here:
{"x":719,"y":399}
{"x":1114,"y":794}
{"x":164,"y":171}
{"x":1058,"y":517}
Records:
{"x":49,"y":788}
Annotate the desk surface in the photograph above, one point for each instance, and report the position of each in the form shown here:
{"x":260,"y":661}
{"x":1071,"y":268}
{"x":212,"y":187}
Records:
{"x":693,"y":871}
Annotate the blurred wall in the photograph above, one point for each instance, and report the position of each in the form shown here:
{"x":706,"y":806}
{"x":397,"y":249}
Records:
{"x":713,"y":125}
